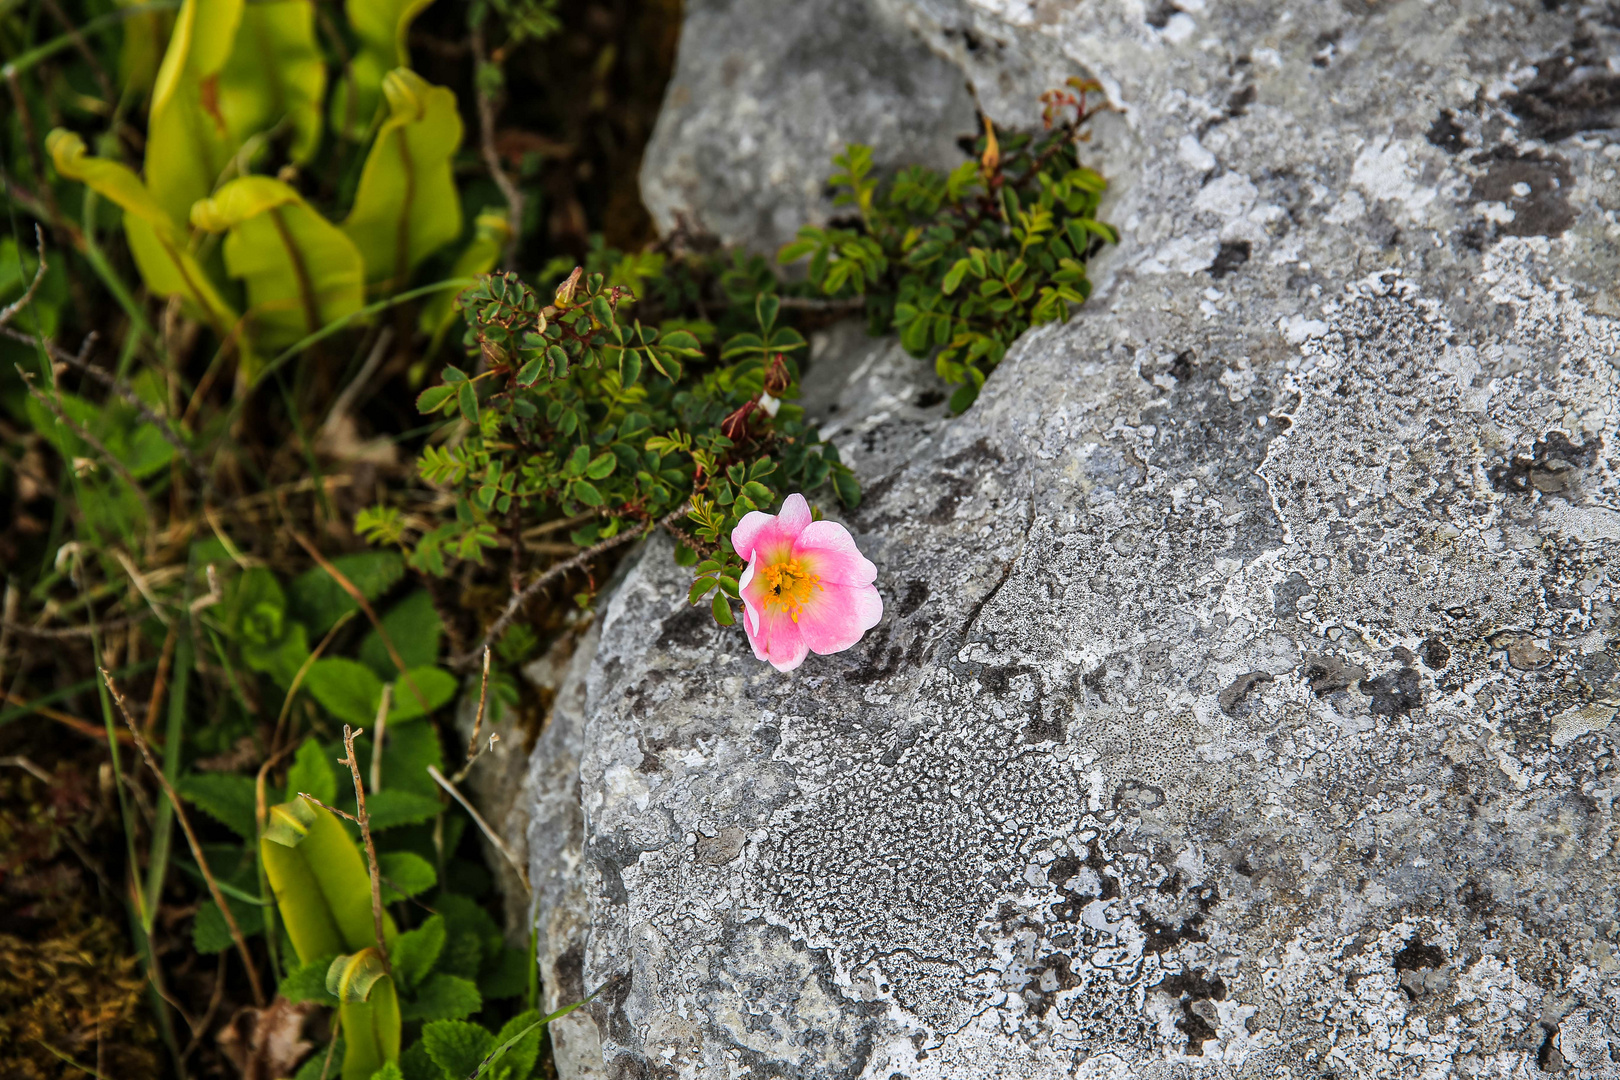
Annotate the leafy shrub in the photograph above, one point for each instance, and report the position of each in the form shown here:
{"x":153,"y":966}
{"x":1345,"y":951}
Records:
{"x":961,"y":264}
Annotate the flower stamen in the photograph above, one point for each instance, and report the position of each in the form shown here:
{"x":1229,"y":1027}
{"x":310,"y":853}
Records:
{"x":788,"y":587}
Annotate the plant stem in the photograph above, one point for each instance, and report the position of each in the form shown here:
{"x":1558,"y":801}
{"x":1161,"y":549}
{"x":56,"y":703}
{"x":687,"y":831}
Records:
{"x":191,"y":838}
{"x":364,"y":821}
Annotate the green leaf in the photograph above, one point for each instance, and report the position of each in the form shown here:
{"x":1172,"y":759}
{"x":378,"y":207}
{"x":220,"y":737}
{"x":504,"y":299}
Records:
{"x":347,"y":689}
{"x":586,"y":493}
{"x":308,"y":982}
{"x":467,"y":401}
{"x":415,"y":629}
{"x":437,"y":688}
{"x":722,"y":610}
{"x":443,"y":997}
{"x":319,"y":601}
{"x":415,"y":951}
{"x":300,"y":270}
{"x":601,"y":466}
{"x":389,"y":1071}
{"x":435,"y":399}
{"x":508,"y":975}
{"x":416,"y":1065}
{"x":209,"y":932}
{"x":404,"y":874}
{"x":393,"y":807}
{"x":275,"y":72}
{"x":407,"y":206}
{"x":408,"y":750}
{"x":228,"y":798}
{"x":848,"y":488}
{"x":316,"y":1068}
{"x":187,"y":144}
{"x":382,"y":28}
{"x":312,"y":773}
{"x":457,"y":1046}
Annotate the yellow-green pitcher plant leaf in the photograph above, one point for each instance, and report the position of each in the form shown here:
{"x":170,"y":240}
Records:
{"x":299,"y":897}
{"x":156,"y":239}
{"x":371,"y":1031}
{"x":351,"y":978}
{"x":275,"y":72}
{"x":301,"y":271}
{"x":382,"y":27}
{"x":188,"y":141}
{"x":406,"y":206}
{"x":339,"y":871}
{"x":490,"y":234}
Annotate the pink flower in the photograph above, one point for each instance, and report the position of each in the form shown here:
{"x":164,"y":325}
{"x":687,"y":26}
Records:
{"x":806,"y":588}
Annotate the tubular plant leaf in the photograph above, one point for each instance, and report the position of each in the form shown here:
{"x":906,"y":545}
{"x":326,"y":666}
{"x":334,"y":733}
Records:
{"x":301,"y":270}
{"x":407,"y":206}
{"x":383,"y":27}
{"x":189,"y":141}
{"x":275,"y":72}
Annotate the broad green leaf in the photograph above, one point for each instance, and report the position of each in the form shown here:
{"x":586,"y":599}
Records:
{"x":457,"y":1046}
{"x":443,"y":997}
{"x":407,"y":206}
{"x":312,"y":773}
{"x":519,"y":1060}
{"x":275,"y":72}
{"x":346,"y":689}
{"x":319,"y":601}
{"x":415,"y":951}
{"x":316,"y":1067}
{"x":228,"y":798}
{"x":389,"y":1071}
{"x":301,"y":271}
{"x":156,"y":238}
{"x":408,"y":750}
{"x":382,"y":27}
{"x":404,"y":874}
{"x":142,"y":51}
{"x":415,"y":629}
{"x":437,"y":688}
{"x":415,"y":1064}
{"x":209,"y":932}
{"x":307,"y":982}
{"x":507,"y":975}
{"x":139,"y":446}
{"x":392,"y":807}
{"x":189,"y":141}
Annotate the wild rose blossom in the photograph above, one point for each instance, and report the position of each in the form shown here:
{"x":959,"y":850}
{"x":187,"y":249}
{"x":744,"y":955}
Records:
{"x":806,"y":588}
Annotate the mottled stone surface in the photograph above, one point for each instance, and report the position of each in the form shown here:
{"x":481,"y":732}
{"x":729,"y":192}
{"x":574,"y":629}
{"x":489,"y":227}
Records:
{"x":765,"y":92}
{"x":1245,"y":699}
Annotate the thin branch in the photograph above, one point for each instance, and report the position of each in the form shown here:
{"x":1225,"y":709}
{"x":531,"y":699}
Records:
{"x":364,"y":821}
{"x":344,"y":814}
{"x":528,"y":592}
{"x":191,"y":838}
{"x":365,"y":605}
{"x":478,"y":720}
{"x":66,"y":632}
{"x":83,"y":727}
{"x":478,"y":819}
{"x":12,"y":310}
{"x":486,"y":145}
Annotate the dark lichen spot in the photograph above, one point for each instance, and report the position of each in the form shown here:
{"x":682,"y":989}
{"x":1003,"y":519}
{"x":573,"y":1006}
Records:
{"x":1286,"y":595}
{"x":1413,"y":966}
{"x":1394,"y":692}
{"x":1232,"y":254}
{"x":916,"y":596}
{"x":1160,"y":14}
{"x":1135,"y":796}
{"x":1329,"y":674}
{"x":1436,"y":655}
{"x":1193,"y":989}
{"x":1571,"y":93}
{"x":689,"y":629}
{"x":1445,"y":133}
{"x":1230,"y":698}
{"x":1239,"y":102}
{"x":1533,"y":185}
{"x":927,"y":399}
{"x":1552,"y":459}
{"x":1184,"y":366}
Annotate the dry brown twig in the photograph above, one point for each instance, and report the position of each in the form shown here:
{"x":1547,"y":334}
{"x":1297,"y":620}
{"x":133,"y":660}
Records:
{"x":478,"y":720}
{"x":486,"y":146}
{"x":191,"y":837}
{"x":12,"y":310}
{"x":529,"y":591}
{"x":478,"y":819}
{"x":364,"y":821}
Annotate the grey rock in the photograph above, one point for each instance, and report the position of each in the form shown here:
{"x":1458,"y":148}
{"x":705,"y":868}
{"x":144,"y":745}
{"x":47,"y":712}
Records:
{"x":1338,"y":429}
{"x":765,"y":93}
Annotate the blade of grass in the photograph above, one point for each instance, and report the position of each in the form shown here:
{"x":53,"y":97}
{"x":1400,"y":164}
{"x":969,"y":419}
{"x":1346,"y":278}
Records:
{"x":102,"y":23}
{"x":500,"y":1051}
{"x":174,"y":735}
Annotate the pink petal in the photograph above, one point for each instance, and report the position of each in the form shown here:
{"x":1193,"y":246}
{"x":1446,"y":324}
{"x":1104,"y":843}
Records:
{"x":779,"y":640}
{"x":829,"y":551}
{"x":837,"y":615}
{"x":771,"y":536}
{"x":746,"y":534}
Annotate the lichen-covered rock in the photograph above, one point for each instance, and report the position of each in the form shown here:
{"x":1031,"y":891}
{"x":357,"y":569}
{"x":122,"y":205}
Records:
{"x":765,"y":92}
{"x":1245,"y":699}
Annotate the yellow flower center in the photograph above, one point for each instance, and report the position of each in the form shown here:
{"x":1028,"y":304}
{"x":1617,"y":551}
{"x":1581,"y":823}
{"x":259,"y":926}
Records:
{"x":788,"y":586}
